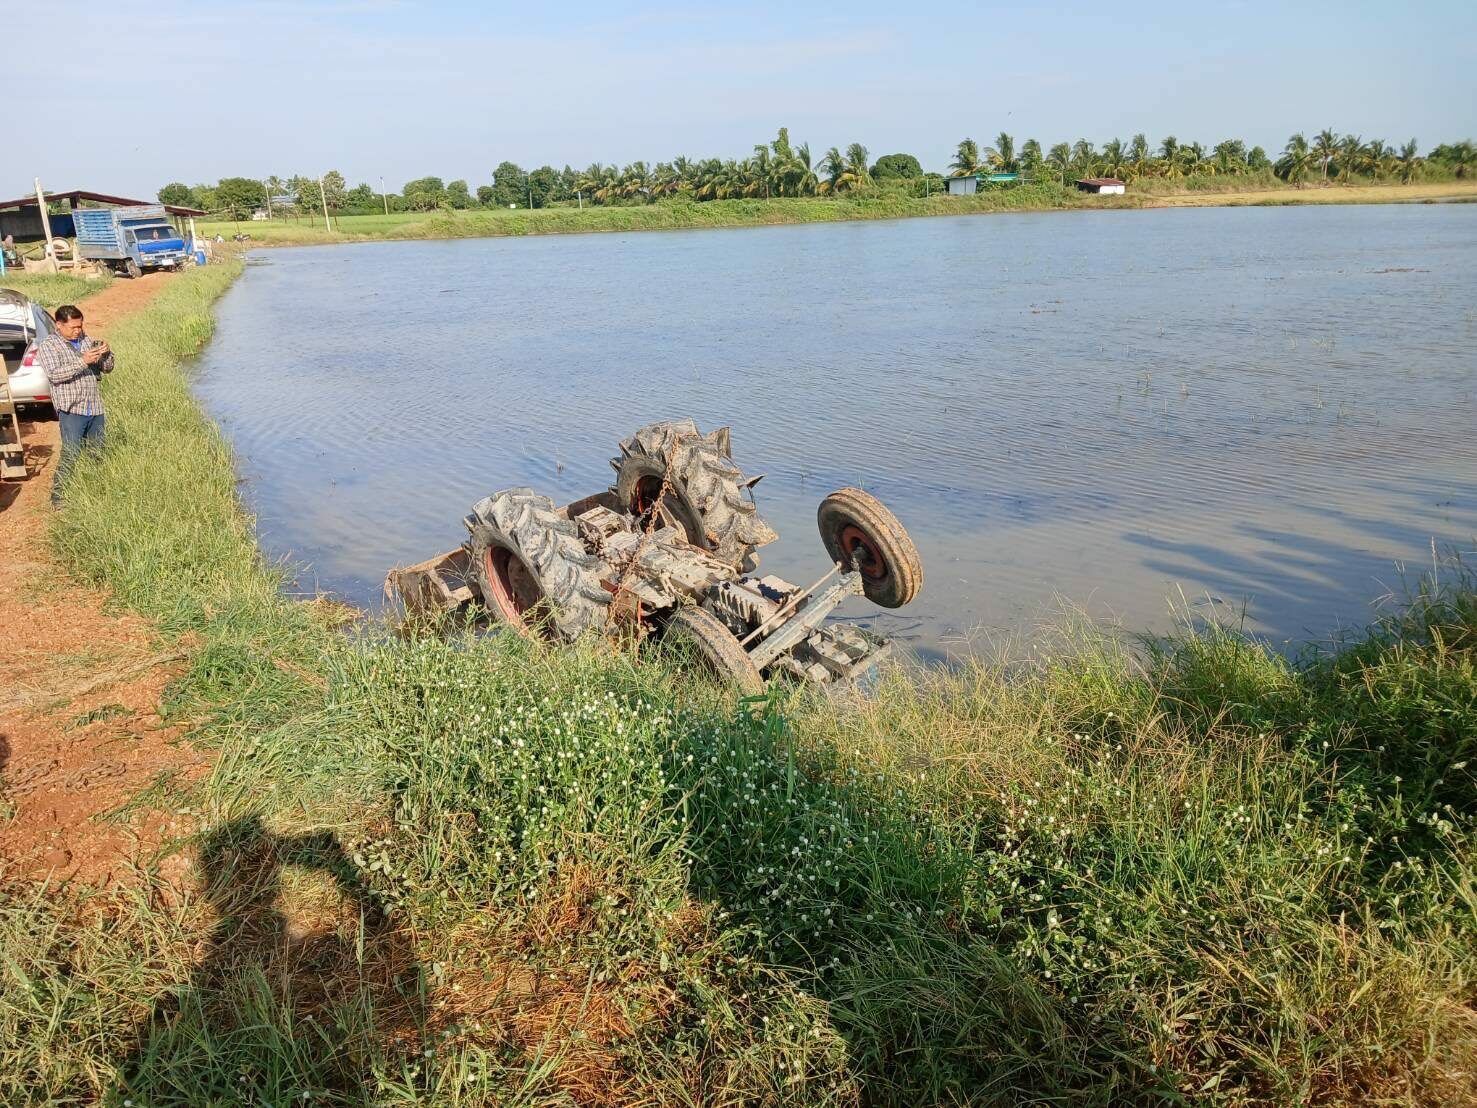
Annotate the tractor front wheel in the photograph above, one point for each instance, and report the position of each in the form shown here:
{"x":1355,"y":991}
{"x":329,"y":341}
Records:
{"x":860,"y":533}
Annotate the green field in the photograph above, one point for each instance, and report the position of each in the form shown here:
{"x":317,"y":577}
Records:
{"x":1100,"y":874}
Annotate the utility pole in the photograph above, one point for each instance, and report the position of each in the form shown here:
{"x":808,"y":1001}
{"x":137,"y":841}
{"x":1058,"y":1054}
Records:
{"x":323,"y":196}
{"x":384,"y":195}
{"x":45,"y":225}
{"x":267,"y":188}
{"x":580,"y":196}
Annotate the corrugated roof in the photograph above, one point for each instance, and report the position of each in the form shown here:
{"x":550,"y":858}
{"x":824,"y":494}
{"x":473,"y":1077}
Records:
{"x":97,"y":198}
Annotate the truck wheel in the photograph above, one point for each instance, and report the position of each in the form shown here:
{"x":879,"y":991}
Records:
{"x":859,"y":531}
{"x":131,"y":269}
{"x":705,"y":490}
{"x":531,"y":568}
{"x":715,"y":647}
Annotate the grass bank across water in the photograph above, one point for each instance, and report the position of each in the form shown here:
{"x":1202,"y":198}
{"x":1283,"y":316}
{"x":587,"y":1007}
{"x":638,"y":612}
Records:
{"x":478,"y":872}
{"x":690,"y":215}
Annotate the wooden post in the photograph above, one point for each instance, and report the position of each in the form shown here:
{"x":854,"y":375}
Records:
{"x":45,"y":225}
{"x":323,"y":196}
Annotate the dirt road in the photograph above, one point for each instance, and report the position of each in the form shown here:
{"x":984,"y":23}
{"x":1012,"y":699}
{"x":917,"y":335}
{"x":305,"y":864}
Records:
{"x":80,"y":733}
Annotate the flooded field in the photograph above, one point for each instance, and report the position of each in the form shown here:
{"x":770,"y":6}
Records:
{"x":1263,"y":415}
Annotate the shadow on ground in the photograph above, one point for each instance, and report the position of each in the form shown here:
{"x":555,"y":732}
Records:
{"x":304,"y":986}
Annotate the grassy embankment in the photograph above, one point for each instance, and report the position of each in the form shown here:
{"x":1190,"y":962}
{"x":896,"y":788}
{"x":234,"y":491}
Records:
{"x":673,"y":216}
{"x":52,"y":290}
{"x":1196,"y":872}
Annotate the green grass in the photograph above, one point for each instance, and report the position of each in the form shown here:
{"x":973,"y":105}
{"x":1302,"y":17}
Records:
{"x":484,"y":872}
{"x":665,"y":216}
{"x":52,"y":290}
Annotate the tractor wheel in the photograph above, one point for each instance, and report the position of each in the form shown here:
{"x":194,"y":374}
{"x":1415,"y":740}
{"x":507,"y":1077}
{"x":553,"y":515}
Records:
{"x":704,"y":489}
{"x":532,"y":569}
{"x":715,"y":647}
{"x":859,"y":531}
{"x":131,"y":269}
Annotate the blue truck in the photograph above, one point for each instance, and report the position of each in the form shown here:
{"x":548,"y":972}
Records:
{"x":129,"y":240}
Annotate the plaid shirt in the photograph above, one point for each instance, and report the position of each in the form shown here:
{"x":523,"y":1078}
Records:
{"x":74,"y":383}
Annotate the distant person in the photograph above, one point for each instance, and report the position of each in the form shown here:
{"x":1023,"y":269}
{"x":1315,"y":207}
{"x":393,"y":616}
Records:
{"x":74,"y":365}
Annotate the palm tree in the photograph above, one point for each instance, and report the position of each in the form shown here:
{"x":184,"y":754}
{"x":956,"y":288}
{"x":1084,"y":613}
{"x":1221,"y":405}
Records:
{"x":636,"y":181}
{"x":1031,"y":159}
{"x":1060,"y":160}
{"x":1461,"y":156}
{"x":856,"y":166}
{"x":966,"y":161}
{"x":1169,"y":157}
{"x":833,"y":165}
{"x":1113,"y":160}
{"x":1410,"y":162}
{"x":1002,"y":154}
{"x":1230,"y":156}
{"x":1084,"y":158}
{"x":1325,"y":149}
{"x":1352,"y":157}
{"x":1138,"y":155}
{"x":761,"y":168}
{"x":1196,"y":160}
{"x":1296,"y":157}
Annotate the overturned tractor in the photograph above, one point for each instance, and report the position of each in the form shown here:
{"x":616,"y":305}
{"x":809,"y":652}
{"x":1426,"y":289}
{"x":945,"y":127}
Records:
{"x":670,"y":552}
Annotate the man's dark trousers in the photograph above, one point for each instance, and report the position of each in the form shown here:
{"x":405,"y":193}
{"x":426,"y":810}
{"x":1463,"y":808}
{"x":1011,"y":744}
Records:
{"x":78,"y":431}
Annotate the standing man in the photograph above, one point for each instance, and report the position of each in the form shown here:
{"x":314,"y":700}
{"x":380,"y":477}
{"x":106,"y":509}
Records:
{"x":74,"y":364}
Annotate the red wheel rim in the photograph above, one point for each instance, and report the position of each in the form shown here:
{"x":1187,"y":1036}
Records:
{"x":515,"y":591}
{"x":645,"y":495}
{"x":859,"y":548}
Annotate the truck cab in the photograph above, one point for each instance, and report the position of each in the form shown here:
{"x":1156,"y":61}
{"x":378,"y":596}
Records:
{"x":129,"y":240}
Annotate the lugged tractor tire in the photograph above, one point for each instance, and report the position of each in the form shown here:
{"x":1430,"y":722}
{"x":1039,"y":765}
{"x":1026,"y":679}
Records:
{"x":858,"y":529}
{"x":531,"y":568}
{"x":708,"y":489}
{"x":715,"y":648}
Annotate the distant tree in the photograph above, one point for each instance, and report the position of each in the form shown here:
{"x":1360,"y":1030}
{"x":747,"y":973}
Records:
{"x":1060,"y":161}
{"x":543,"y":186}
{"x":1139,"y":156}
{"x":1031,"y":158}
{"x":424,"y":194}
{"x":1256,"y":159}
{"x":1459,"y":157}
{"x":967,"y":161}
{"x":1353,"y":157}
{"x":1297,"y":158}
{"x":1084,"y":158}
{"x":485,"y":196}
{"x":335,"y":188}
{"x":239,"y":196}
{"x":308,"y":196}
{"x":458,"y":195}
{"x":1001,"y":156}
{"x":1114,"y":161}
{"x":892,"y":167}
{"x":1325,"y":149}
{"x":1169,"y":157}
{"x":509,"y":185}
{"x":361,"y":199}
{"x":569,"y":182}
{"x":179,"y":194}
{"x":205,"y":196}
{"x":1410,"y":162}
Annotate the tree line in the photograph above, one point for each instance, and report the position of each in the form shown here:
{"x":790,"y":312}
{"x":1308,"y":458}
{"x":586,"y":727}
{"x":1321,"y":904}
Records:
{"x":782,"y":168}
{"x":1327,"y":155}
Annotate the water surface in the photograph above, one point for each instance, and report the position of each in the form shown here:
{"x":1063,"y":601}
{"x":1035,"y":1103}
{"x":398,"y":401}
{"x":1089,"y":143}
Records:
{"x":1264,"y":414}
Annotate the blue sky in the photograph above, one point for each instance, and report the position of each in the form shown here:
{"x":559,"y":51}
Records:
{"x":196,"y":90}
